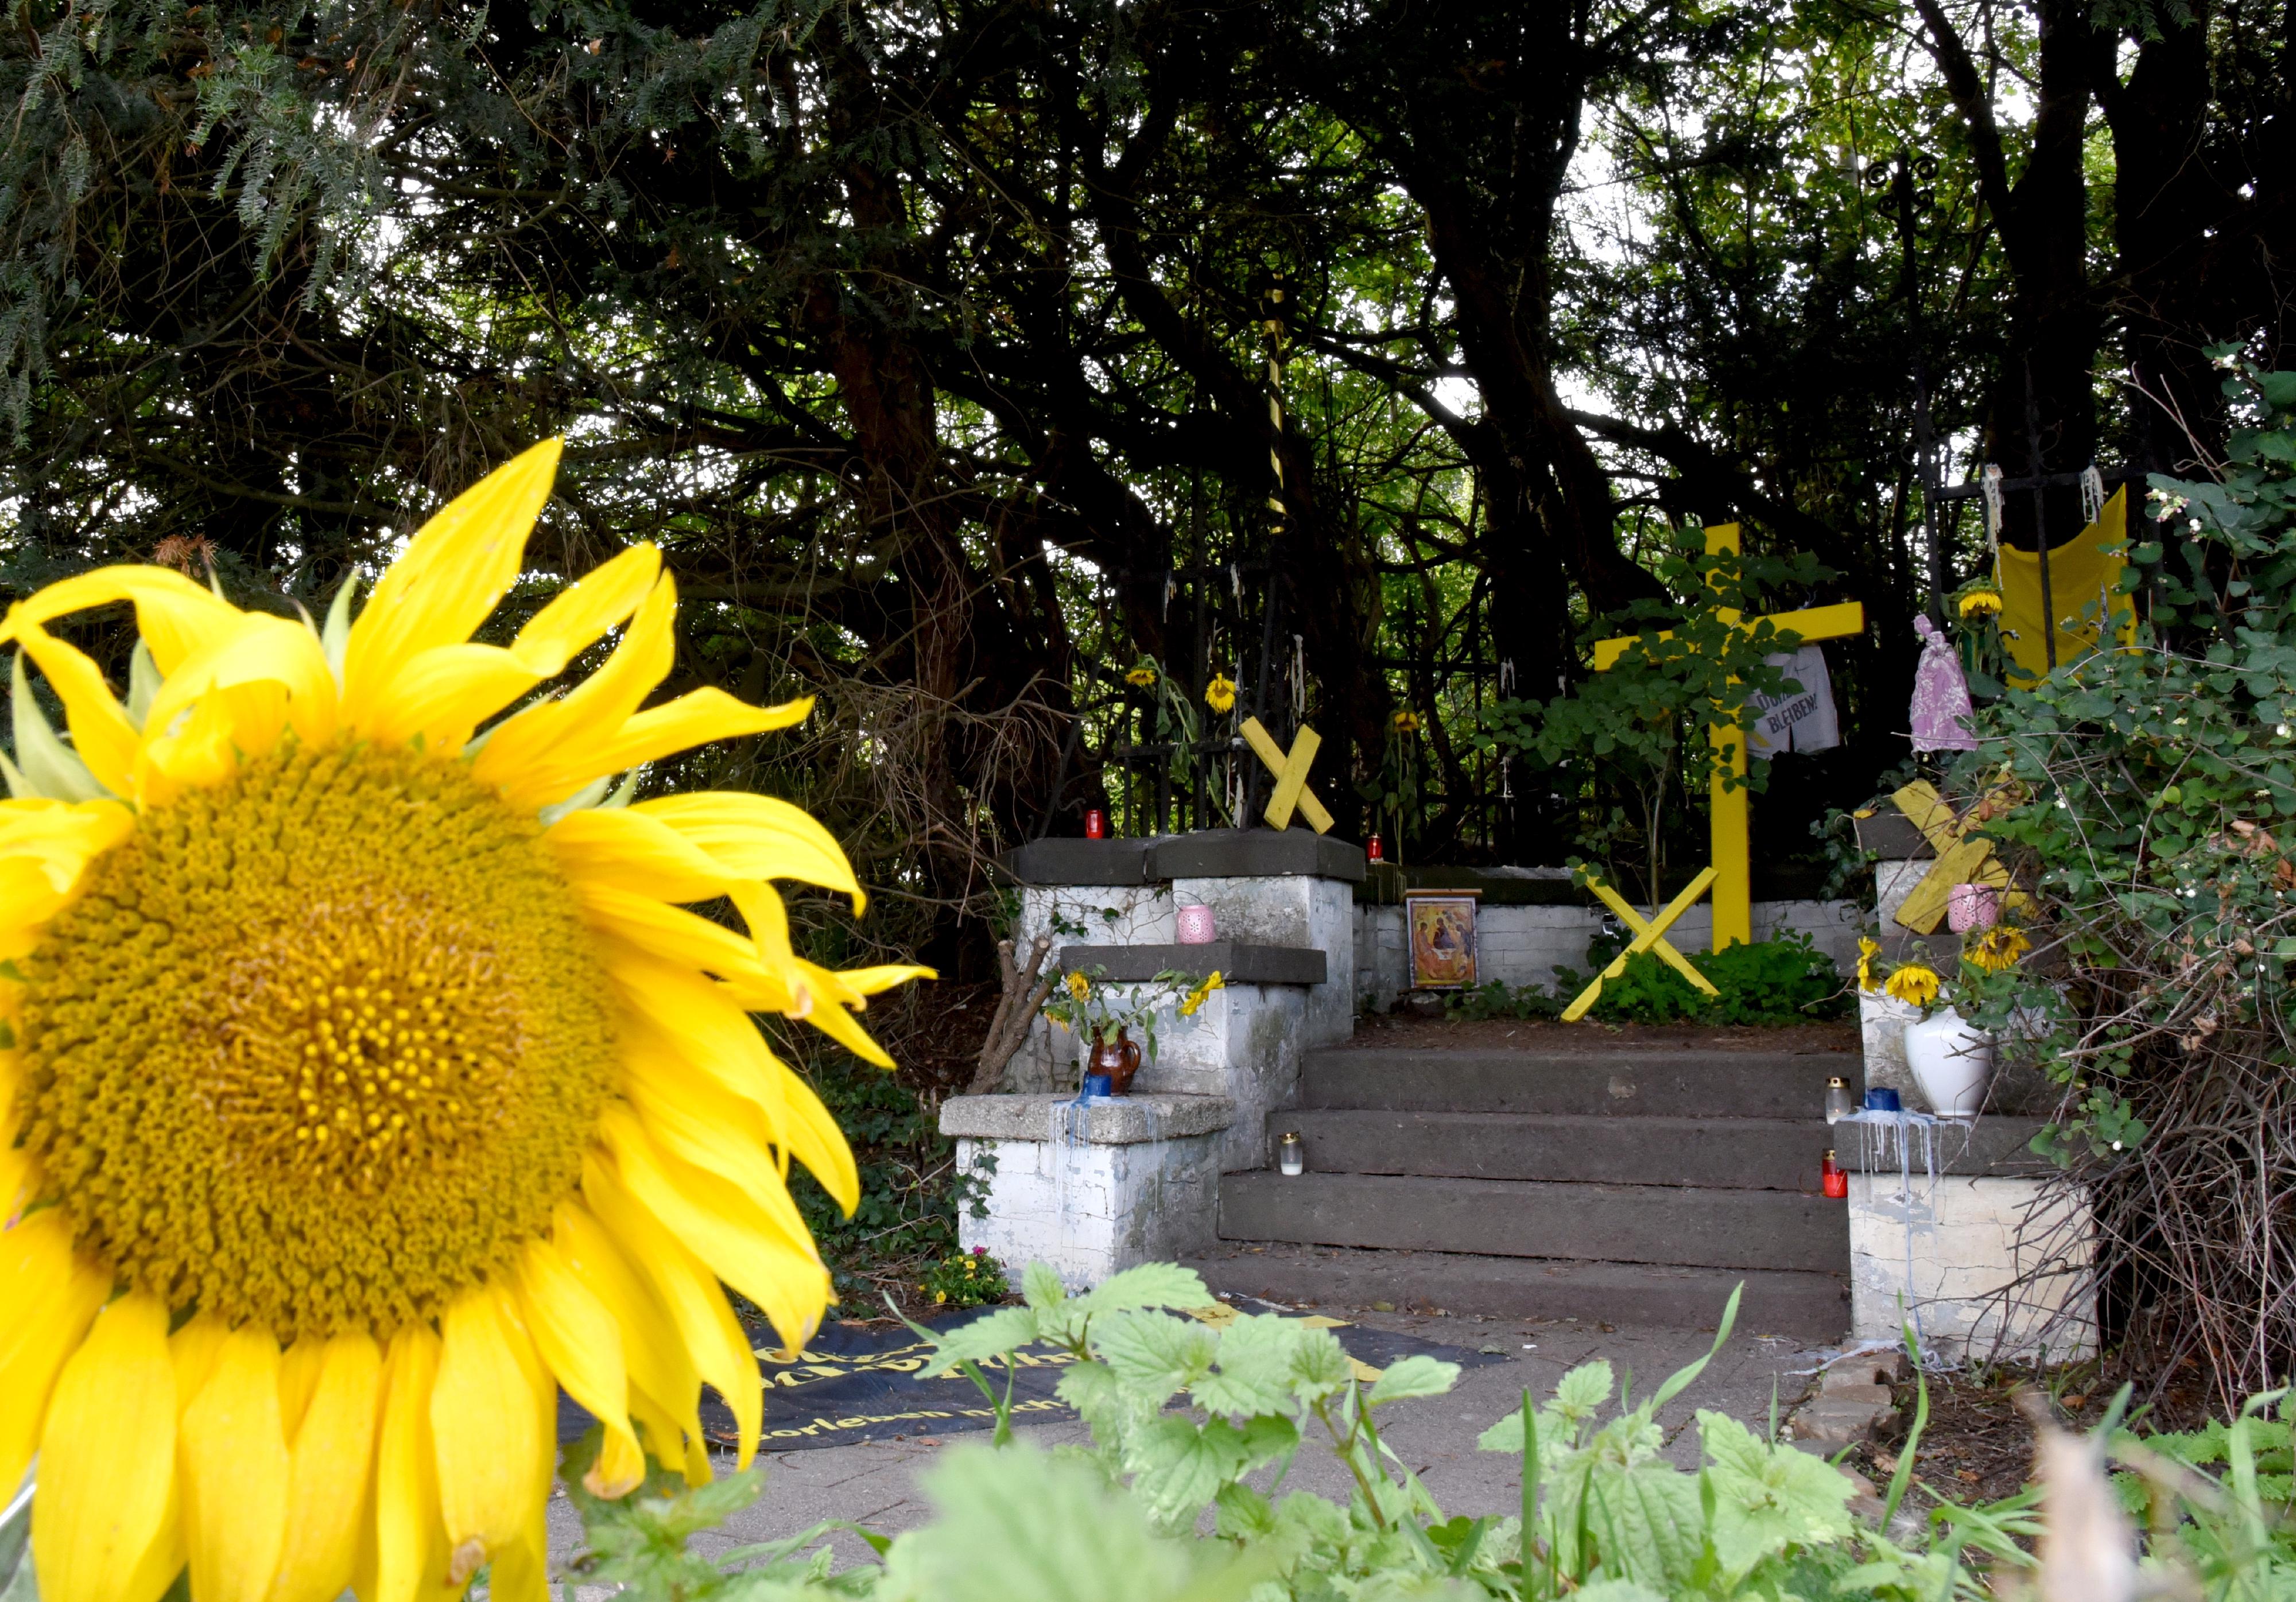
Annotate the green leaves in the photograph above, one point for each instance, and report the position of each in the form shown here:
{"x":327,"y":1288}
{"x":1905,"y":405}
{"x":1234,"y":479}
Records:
{"x":1414,"y":1376}
{"x":1767,"y":1497}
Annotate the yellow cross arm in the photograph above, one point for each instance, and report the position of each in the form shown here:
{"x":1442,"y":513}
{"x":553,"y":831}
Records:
{"x":1290,"y":772}
{"x":1649,"y":936}
{"x":1810,"y":623}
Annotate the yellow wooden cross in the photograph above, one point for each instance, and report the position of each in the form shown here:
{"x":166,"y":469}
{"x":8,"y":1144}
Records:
{"x":1291,"y":775}
{"x":1734,"y":887}
{"x":1649,"y":936}
{"x":1960,"y":860}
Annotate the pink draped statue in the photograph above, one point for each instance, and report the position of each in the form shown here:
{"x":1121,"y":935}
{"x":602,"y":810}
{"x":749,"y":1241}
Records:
{"x":1940,"y":694}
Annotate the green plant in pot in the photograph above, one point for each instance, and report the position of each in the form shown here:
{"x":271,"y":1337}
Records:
{"x":1106,"y":1013}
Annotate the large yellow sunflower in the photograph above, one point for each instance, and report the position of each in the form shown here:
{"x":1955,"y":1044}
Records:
{"x":363,"y":1082}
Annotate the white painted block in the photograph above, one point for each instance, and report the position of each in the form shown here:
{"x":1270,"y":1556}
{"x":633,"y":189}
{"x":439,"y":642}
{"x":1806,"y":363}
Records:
{"x":1964,"y":1259}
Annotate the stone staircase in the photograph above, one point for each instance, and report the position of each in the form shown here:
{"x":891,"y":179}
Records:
{"x":1634,"y":1187}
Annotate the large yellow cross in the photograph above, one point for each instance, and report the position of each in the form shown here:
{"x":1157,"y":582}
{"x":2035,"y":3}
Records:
{"x":1734,"y":889}
{"x":1291,"y":773}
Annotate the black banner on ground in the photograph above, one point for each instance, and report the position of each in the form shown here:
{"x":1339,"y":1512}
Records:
{"x":867,"y":1383}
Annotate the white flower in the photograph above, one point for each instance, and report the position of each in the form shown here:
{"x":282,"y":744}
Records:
{"x":2195,"y":524}
{"x":2281,"y":730}
{"x":2116,"y":1146}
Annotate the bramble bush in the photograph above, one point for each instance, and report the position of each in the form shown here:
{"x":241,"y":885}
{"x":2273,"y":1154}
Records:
{"x":1191,"y":1423}
{"x":2141,"y":796}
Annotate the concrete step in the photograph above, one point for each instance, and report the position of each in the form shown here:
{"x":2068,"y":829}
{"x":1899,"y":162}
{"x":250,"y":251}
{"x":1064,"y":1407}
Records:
{"x":1814,"y":1307}
{"x":1675,"y":1225}
{"x":1682,"y":1084}
{"x":1736,"y":1154}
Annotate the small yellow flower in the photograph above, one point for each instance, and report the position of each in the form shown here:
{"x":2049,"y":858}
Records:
{"x":1867,"y":951}
{"x":1407,"y":723}
{"x":939,"y":1296}
{"x":1079,"y":986}
{"x":1220,"y":693}
{"x":1980,"y":602}
{"x":1998,"y":949}
{"x":1913,"y":984}
{"x":1143,"y":676}
{"x":1197,"y":996}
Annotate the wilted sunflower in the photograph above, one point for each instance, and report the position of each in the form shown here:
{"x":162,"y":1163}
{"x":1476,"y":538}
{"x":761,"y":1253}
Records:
{"x":1196,"y":998}
{"x":1913,"y":984}
{"x":361,"y":1083}
{"x":1997,"y":949}
{"x":1980,"y":603}
{"x":1406,"y":723}
{"x":1079,"y":987}
{"x":1220,"y":693}
{"x":1143,"y":676}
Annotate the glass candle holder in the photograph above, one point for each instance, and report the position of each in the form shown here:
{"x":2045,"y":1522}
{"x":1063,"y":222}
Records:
{"x":1839,"y":1104}
{"x":1095,"y":823}
{"x":1291,"y":1154}
{"x":1832,"y":1180}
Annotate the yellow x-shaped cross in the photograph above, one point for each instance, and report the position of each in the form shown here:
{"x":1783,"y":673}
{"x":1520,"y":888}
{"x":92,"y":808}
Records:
{"x":1960,"y":860}
{"x":1649,"y":936}
{"x":1291,"y":775}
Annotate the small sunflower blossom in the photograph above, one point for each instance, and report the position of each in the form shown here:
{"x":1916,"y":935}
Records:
{"x":1997,"y":949}
{"x":1980,"y":602}
{"x":1079,"y":987}
{"x":1143,"y":676}
{"x":1220,"y":693}
{"x":1913,"y":984}
{"x":1867,"y":951}
{"x":1406,"y":723}
{"x":364,"y":1080}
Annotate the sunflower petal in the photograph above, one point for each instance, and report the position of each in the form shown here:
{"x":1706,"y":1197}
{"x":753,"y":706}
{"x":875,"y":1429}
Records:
{"x":758,"y":837}
{"x":258,"y":650}
{"x":623,"y":850}
{"x":697,"y":1025}
{"x":545,"y":752}
{"x":453,"y":572}
{"x":694,"y":718}
{"x":676,"y":936}
{"x":690,"y":1296}
{"x":104,"y":1525}
{"x":53,"y":1296}
{"x":174,"y":616}
{"x":579,"y":616}
{"x":232,"y":1468}
{"x":402,"y":1553}
{"x":51,"y":770}
{"x":102,"y":738}
{"x":665,"y":1386}
{"x":581,"y":1341}
{"x":327,"y":1479}
{"x":443,"y":692}
{"x":483,"y":1425}
{"x":737,"y":1238}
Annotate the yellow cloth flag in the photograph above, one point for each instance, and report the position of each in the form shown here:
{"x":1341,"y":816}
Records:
{"x":2084,"y":582}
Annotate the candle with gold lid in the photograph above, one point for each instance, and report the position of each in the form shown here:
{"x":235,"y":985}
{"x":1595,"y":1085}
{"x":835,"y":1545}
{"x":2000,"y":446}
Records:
{"x":1292,"y":1154}
{"x":1839,"y":1104}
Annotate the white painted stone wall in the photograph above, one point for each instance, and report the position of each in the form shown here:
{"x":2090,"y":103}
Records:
{"x":1971,"y":1241}
{"x":1292,"y":910}
{"x":1095,"y":1191}
{"x":1524,"y":945}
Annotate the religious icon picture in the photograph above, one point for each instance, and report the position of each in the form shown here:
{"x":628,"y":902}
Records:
{"x":1442,"y":928}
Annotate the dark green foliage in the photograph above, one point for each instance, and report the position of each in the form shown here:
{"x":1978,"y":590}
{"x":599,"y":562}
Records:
{"x":1783,"y":980}
{"x":1498,"y":999}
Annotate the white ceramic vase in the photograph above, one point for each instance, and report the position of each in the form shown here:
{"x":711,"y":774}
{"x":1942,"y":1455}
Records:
{"x":1952,"y":1061}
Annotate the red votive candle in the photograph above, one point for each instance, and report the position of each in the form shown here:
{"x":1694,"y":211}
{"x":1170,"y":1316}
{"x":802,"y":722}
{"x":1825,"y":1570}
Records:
{"x":1373,"y":851}
{"x":1095,"y":823}
{"x":1831,"y":1176}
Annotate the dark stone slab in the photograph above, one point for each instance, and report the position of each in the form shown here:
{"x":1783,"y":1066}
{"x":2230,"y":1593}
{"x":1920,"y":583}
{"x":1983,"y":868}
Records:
{"x":1682,"y":1084}
{"x":1890,"y":835}
{"x":1067,"y":861}
{"x":1236,"y":963}
{"x":1679,"y":1226}
{"x":1716,"y":1153}
{"x":1257,"y":853}
{"x":1995,"y":1148}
